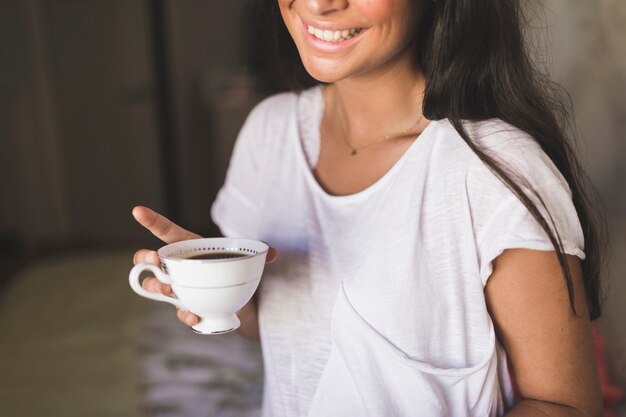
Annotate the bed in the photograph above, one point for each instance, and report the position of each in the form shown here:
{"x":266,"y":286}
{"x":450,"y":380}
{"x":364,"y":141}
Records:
{"x":76,"y":341}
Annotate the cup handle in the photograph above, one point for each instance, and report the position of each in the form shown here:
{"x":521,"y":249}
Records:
{"x":133,"y":279}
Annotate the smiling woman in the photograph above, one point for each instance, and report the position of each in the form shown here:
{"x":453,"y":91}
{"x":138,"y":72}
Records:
{"x":434,"y":235}
{"x":368,"y":37}
{"x":336,"y":36}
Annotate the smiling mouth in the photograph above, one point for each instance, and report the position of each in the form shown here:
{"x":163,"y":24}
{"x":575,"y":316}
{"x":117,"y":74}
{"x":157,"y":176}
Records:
{"x":333,"y":35}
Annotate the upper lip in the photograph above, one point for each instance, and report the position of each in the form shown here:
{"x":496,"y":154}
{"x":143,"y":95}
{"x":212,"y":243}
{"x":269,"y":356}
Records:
{"x":327,"y":25}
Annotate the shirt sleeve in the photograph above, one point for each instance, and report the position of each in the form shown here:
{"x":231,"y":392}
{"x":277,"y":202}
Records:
{"x":236,"y":209}
{"x":501,"y":221}
{"x":511,"y":226}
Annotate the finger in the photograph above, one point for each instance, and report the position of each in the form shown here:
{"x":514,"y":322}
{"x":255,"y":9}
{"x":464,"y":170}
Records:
{"x":186,"y":317}
{"x":190,"y":318}
{"x":179,"y":314}
{"x":146,"y":255}
{"x":161,"y":226}
{"x":154,"y":285}
{"x":151,"y":284}
{"x":272,"y":255}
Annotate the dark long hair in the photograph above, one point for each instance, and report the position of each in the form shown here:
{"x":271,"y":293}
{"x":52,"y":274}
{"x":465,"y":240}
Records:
{"x":477,"y":65}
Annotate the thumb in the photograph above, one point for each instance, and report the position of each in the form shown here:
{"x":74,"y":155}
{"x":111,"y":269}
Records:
{"x":161,"y":226}
{"x":272,"y":255}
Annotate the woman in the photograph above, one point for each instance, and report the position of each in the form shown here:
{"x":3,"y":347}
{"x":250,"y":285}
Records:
{"x":430,"y":218}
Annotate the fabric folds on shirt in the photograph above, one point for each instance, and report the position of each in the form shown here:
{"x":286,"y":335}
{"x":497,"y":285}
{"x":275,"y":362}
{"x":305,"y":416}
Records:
{"x":375,"y":305}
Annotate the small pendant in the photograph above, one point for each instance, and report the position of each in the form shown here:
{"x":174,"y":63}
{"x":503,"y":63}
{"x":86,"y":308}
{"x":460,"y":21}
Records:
{"x":353,"y":152}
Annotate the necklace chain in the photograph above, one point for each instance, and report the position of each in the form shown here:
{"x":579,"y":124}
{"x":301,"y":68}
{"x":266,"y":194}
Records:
{"x":401,"y":135}
{"x":414,"y":131}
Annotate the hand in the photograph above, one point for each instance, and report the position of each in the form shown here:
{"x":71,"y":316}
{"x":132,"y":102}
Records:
{"x":168,"y":232}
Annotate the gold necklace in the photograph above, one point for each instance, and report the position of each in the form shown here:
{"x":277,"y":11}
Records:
{"x":404,"y":134}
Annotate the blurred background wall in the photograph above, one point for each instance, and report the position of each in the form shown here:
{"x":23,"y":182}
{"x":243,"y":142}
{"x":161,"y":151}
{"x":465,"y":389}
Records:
{"x":105,"y":104}
{"x":79,"y":118}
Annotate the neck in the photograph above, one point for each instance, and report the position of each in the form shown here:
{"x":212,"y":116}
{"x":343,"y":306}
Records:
{"x":371,"y":106}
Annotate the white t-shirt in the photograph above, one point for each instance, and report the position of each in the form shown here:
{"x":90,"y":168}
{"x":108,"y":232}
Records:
{"x":375,"y":306}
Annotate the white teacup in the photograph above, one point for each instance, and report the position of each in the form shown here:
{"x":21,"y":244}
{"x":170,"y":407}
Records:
{"x":213,"y":289}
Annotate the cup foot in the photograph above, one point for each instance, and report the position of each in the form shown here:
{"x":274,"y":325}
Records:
{"x":213,"y":325}
{"x":215,"y":332}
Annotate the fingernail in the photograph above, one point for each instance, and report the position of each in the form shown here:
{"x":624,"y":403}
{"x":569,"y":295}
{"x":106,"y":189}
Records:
{"x":190,"y":320}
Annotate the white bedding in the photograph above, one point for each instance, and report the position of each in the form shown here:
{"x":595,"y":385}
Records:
{"x":76,"y":341}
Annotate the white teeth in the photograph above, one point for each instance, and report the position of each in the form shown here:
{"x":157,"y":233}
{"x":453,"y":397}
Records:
{"x":333,"y":36}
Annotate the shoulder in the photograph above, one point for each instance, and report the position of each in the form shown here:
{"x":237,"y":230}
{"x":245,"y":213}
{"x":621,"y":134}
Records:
{"x":273,"y":108}
{"x":283,"y":106}
{"x":268,"y":123}
{"x":276,"y":103}
{"x":276,"y":118}
{"x":514,"y":150}
{"x":517,"y":151}
{"x":490,"y":203}
{"x":477,"y":195}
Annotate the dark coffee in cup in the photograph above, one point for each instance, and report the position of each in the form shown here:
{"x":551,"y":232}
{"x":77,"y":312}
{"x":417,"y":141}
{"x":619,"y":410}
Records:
{"x":217,"y":255}
{"x":212,"y":290}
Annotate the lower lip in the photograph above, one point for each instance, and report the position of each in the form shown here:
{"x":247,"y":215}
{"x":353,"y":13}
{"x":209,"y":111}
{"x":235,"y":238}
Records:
{"x":325,"y":46}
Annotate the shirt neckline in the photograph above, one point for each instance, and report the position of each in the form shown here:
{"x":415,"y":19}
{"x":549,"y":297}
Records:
{"x":312,"y":122}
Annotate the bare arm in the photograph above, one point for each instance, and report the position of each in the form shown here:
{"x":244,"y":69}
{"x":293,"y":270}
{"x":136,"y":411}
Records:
{"x":169,"y":232}
{"x":550,"y":349}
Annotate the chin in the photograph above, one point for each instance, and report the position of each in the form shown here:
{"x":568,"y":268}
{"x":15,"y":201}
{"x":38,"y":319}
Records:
{"x":325,"y":77}
{"x":326,"y":72}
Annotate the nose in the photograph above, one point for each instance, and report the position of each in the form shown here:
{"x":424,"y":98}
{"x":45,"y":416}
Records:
{"x":322,"y":7}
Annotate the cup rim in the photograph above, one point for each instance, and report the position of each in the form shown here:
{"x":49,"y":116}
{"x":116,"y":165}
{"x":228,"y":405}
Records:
{"x":170,"y":258}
